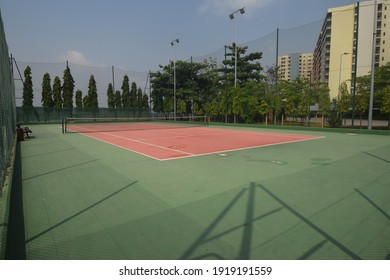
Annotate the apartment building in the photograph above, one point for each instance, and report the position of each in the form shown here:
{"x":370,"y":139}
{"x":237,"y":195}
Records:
{"x":344,"y":46}
{"x":295,"y":65}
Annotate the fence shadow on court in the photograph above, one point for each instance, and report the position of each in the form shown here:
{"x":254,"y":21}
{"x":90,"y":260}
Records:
{"x":15,"y":246}
{"x":79,"y":212}
{"x":247,"y":228}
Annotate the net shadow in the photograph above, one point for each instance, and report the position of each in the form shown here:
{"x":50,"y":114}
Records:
{"x":376,"y":206}
{"x":79,"y":213}
{"x":245,"y":247}
{"x":246,"y":227}
{"x":327,"y":236}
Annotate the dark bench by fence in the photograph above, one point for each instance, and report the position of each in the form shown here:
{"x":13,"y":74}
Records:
{"x":21,"y":131}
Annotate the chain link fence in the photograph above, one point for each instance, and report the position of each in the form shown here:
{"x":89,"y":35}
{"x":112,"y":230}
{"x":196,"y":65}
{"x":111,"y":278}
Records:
{"x":36,"y":115}
{"x":7,"y":106}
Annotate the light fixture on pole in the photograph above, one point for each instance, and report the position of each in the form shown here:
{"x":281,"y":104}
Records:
{"x":341,"y":60}
{"x":231,"y":16}
{"x":173,"y":44}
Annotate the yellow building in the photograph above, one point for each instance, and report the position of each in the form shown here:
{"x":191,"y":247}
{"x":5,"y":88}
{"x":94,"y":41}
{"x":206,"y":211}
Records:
{"x":295,"y":65}
{"x":344,"y":46}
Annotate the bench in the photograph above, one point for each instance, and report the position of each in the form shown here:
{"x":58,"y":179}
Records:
{"x":25,"y":129}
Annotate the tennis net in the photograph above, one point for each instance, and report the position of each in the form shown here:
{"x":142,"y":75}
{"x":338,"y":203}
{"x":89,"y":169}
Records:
{"x":91,"y":125}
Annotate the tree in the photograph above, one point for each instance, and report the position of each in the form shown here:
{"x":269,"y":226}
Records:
{"x":334,"y":119}
{"x":67,"y":88}
{"x":263,"y":109}
{"x":47,"y":94}
{"x":139,"y":99}
{"x":247,"y":100}
{"x":323,"y":103}
{"x":118,"y":99}
{"x":159,"y":84}
{"x":181,"y":106}
{"x":92,"y":93}
{"x":145,"y":101}
{"x":126,"y":99}
{"x":303,"y":104}
{"x":273,"y":92}
{"x":57,"y":89}
{"x":86,"y":103}
{"x":110,"y":96}
{"x":382,"y":80}
{"x":189,"y":80}
{"x":362,"y":95}
{"x":248,"y":70}
{"x":226,"y":101}
{"x":133,"y":95}
{"x":248,"y":66}
{"x":28,"y":94}
{"x":344,"y":100}
{"x":204,"y":88}
{"x":79,"y":99}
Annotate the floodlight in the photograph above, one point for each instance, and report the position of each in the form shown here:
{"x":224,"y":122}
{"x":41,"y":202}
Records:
{"x":242,"y":11}
{"x":174,"y":41}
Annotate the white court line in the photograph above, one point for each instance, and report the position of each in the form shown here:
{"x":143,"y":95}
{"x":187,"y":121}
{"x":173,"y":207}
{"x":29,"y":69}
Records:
{"x":127,"y":149}
{"x":246,"y":148}
{"x":108,"y":134}
{"x":182,"y":136}
{"x":141,"y":142}
{"x":202,"y":154}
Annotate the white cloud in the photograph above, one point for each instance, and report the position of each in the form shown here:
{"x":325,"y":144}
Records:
{"x":75,"y":57}
{"x":222,"y":7}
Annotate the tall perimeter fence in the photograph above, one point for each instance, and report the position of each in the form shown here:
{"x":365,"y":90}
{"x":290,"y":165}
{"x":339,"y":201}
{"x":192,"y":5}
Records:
{"x":7,"y":137}
{"x":300,"y":39}
{"x":7,"y":107}
{"x":281,"y":42}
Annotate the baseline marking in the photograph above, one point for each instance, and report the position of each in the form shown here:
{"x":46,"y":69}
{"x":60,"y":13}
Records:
{"x":245,"y":148}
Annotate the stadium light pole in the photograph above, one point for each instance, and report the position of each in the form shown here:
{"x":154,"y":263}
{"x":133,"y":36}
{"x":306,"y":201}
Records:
{"x":173,"y":44}
{"x":341,"y":61}
{"x":231,"y":16}
{"x":372,"y":82}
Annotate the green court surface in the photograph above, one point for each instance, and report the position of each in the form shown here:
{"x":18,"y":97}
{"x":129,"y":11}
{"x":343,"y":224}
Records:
{"x":327,"y":198}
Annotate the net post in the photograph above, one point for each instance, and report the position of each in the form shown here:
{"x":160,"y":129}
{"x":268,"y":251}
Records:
{"x":63,"y":126}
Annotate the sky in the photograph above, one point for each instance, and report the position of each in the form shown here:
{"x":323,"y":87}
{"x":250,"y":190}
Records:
{"x":136,"y":34}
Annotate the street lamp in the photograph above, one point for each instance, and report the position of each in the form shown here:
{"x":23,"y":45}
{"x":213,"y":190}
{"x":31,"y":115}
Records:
{"x":341,"y":60}
{"x":173,"y":44}
{"x":231,"y":16}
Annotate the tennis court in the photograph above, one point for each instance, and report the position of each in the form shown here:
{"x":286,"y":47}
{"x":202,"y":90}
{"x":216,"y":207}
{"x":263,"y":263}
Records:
{"x":231,"y":193}
{"x":164,"y":141}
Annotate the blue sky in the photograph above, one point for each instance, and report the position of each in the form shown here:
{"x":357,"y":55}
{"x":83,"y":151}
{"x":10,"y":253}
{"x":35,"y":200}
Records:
{"x":136,"y":34}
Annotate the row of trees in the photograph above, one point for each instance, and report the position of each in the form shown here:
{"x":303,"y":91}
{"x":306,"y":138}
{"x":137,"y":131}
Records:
{"x":205,"y":88}
{"x":61,"y":95}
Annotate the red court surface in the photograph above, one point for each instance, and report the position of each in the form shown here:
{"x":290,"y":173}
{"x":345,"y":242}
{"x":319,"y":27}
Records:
{"x":174,"y":143}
